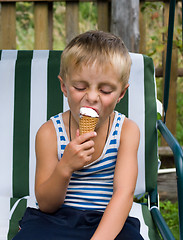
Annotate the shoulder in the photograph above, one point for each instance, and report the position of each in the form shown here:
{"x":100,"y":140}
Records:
{"x":46,"y":129}
{"x":46,"y":134}
{"x":130,"y":132}
{"x":130,"y":125}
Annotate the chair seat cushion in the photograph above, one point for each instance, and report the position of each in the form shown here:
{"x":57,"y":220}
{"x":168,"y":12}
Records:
{"x":148,"y":229}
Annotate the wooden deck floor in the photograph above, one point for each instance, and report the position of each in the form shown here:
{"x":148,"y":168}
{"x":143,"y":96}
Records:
{"x":167,"y":186}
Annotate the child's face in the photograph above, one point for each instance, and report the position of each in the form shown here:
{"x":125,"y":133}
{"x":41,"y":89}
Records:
{"x":94,"y":87}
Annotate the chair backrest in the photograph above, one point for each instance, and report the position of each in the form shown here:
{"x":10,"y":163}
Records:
{"x":139,"y":104}
{"x":30,"y":94}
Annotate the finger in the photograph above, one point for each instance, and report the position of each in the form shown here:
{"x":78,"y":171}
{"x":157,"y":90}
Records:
{"x":86,"y":137}
{"x":88,"y":159}
{"x":87,"y":144}
{"x":77,"y":133}
{"x":90,"y":151}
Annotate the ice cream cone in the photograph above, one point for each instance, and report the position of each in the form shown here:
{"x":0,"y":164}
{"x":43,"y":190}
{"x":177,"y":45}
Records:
{"x":88,"y":120}
{"x":87,"y":124}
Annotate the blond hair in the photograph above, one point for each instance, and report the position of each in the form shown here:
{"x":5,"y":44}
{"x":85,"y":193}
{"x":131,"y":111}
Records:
{"x":96,"y":47}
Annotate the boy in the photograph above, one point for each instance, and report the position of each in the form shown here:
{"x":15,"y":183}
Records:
{"x":85,"y":183}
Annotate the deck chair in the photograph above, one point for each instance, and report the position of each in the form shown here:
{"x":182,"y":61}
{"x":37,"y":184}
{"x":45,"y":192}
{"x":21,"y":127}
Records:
{"x":30,"y":94}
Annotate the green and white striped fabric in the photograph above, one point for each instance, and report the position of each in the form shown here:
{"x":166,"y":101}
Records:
{"x":139,"y":104}
{"x":29,"y":95}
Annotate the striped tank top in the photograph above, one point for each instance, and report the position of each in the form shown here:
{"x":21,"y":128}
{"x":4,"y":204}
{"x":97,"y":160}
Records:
{"x":91,"y":188}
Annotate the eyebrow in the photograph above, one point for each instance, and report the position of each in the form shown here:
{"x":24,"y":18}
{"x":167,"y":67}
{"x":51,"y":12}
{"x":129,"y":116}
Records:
{"x":79,"y":82}
{"x":108,"y":85}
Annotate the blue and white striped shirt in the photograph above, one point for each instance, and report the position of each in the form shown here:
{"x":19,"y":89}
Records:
{"x":91,"y":188}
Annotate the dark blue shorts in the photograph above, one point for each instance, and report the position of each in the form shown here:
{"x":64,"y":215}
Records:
{"x":69,"y":224}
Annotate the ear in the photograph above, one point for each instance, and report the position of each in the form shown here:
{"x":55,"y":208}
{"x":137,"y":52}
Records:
{"x":62,"y":86}
{"x":123,"y":93}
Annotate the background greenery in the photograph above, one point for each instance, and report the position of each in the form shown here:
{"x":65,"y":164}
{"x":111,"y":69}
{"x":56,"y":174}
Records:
{"x":155,"y":44}
{"x":169,"y":211}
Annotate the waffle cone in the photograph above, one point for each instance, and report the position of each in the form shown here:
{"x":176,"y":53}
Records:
{"x":87,"y":124}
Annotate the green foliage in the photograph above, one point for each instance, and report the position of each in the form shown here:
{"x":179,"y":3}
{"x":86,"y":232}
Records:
{"x":153,"y":13}
{"x":156,"y":44}
{"x":87,"y":16}
{"x":156,"y":39}
{"x":24,"y":25}
{"x":169,"y":211}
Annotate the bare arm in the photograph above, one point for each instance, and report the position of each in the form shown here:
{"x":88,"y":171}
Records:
{"x":53,"y":176}
{"x":124,"y":184}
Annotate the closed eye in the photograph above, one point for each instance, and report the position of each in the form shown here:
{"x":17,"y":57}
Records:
{"x":105,"y":92}
{"x":106,"y":88}
{"x":80,"y":88}
{"x":79,"y":85}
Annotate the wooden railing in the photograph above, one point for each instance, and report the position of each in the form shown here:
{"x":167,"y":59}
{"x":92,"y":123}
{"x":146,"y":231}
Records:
{"x":43,"y":21}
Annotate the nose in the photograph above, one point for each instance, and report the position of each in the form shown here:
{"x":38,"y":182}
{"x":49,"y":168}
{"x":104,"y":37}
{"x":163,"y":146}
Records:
{"x":92,"y":96}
